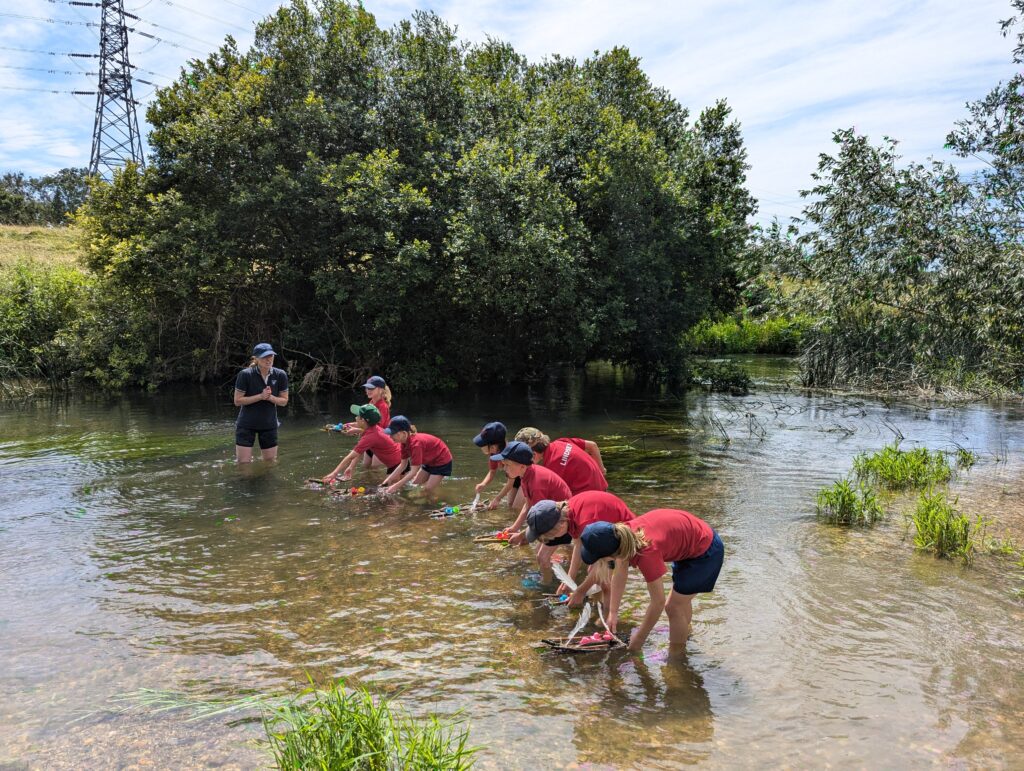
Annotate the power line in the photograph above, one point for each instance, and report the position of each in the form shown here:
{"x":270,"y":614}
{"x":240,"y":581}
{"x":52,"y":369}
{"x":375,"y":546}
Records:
{"x":83,"y":4}
{"x":93,"y":24}
{"x":43,"y":69}
{"x":47,"y":90}
{"x":205,"y":15}
{"x":79,"y":56}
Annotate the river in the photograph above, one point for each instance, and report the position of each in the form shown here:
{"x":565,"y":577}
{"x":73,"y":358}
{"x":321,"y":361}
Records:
{"x":135,"y":554}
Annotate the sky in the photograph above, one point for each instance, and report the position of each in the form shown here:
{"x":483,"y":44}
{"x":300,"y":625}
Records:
{"x":793,"y":72}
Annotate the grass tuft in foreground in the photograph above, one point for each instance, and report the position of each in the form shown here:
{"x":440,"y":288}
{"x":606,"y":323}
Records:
{"x":899,"y":469}
{"x":842,"y":504}
{"x":337,"y":728}
{"x":941,"y":528}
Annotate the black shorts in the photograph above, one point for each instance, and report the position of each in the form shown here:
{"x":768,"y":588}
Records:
{"x":516,"y":483}
{"x":441,"y":471}
{"x":392,"y":468}
{"x":246,"y":437}
{"x":699,"y":574}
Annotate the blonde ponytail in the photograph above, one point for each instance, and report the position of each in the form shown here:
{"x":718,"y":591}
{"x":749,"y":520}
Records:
{"x":631,"y":543}
{"x":387,"y":397}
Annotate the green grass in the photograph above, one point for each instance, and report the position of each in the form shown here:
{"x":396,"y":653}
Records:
{"x":941,"y":528}
{"x":336,"y":728}
{"x":899,"y":469}
{"x":842,"y":504}
{"x":732,"y":335}
{"x":38,"y":244}
{"x":965,"y":459}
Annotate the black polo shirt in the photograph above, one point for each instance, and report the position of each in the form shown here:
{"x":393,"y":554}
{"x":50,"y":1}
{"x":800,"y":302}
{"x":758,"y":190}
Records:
{"x":261,"y":415}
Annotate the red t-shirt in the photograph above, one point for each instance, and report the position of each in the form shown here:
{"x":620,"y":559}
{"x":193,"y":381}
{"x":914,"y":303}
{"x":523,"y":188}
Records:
{"x":493,"y":465}
{"x":596,"y":506}
{"x":568,"y":458}
{"x":385,"y":412}
{"x":673,"y":535}
{"x":541,"y":483}
{"x":383,"y":447}
{"x":426,"y":450}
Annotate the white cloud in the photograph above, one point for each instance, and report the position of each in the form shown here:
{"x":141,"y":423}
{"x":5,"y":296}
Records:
{"x":792,"y":71}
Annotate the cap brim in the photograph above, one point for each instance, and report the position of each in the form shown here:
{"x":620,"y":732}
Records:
{"x":354,"y":409}
{"x":531,"y":535}
{"x":498,"y":457}
{"x":588,"y":557}
{"x":479,"y":441}
{"x":389,"y":432}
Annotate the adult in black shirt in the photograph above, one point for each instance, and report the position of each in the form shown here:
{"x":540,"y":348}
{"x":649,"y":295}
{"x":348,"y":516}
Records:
{"x":260,"y":389}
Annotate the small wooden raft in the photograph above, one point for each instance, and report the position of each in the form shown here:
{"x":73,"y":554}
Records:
{"x":340,"y":492}
{"x":599,"y":641}
{"x":463,"y":508}
{"x":334,"y":428}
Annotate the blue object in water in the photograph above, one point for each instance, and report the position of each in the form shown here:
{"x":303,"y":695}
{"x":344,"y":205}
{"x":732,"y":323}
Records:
{"x":448,"y":510}
{"x":339,"y":426}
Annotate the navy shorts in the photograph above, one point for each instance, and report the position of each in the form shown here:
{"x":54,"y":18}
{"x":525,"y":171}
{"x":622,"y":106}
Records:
{"x":246,"y":437}
{"x":699,"y":574}
{"x":441,"y":471}
{"x":392,"y":468}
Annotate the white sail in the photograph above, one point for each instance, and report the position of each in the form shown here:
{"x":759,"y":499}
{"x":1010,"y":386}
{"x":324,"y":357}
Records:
{"x":584,"y":618}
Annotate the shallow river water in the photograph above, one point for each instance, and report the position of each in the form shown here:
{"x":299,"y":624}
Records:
{"x":134,"y":554}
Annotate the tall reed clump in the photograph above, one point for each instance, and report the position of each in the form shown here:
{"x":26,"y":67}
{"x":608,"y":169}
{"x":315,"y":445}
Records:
{"x":842,"y":504}
{"x":941,"y":528}
{"x":899,"y":469}
{"x":336,"y":728}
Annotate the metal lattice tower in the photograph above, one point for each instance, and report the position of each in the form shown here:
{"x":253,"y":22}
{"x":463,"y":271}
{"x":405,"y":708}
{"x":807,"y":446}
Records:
{"x":115,"y":137}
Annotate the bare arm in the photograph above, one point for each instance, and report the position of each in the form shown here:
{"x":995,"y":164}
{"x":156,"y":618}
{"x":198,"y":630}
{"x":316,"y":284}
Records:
{"x":280,"y":401}
{"x":594,"y":452}
{"x":654,"y":610}
{"x":241,"y":399}
{"x":485,"y":481}
{"x":501,"y":494}
{"x":405,"y":479}
{"x":618,"y":586}
{"x":342,"y":468}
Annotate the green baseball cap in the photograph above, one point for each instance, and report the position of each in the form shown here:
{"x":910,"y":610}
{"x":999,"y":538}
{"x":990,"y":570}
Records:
{"x":367,"y":412}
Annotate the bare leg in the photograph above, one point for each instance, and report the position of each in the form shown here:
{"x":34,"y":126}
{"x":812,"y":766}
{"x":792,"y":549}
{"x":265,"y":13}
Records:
{"x":679,"y":610}
{"x":270,"y":454}
{"x":515,"y":502}
{"x":243,"y":454}
{"x":421,"y":477}
{"x":432,"y":481}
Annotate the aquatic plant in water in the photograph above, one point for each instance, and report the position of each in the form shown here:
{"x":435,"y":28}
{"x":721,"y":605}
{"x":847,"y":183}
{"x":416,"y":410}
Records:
{"x":842,"y":504}
{"x":899,"y":469}
{"x":337,"y":728}
{"x":941,"y":528}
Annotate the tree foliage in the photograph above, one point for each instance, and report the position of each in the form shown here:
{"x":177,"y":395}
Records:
{"x":400,"y":200}
{"x":46,"y":200}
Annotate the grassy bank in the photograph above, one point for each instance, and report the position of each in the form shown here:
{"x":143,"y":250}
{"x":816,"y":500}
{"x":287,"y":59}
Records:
{"x":746,"y":335}
{"x":39,"y":244}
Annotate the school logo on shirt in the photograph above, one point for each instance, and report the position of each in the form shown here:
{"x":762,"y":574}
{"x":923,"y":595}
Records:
{"x":565,"y":454}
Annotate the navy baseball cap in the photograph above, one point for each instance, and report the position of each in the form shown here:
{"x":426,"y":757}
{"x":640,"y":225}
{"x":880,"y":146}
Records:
{"x":598,"y":540}
{"x":375,"y":382}
{"x":263,"y":349}
{"x":492,"y":433}
{"x":398,"y":423}
{"x":519,"y":452}
{"x":542,"y":517}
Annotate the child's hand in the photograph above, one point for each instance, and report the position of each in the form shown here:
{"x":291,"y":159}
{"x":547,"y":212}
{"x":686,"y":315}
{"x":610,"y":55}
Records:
{"x":346,"y":476}
{"x":635,"y":643}
{"x":493,"y":504}
{"x":517,"y":538}
{"x":575,"y":599}
{"x":393,"y":489}
{"x":480,"y":487}
{"x":613,"y":621}
{"x":329,"y":479}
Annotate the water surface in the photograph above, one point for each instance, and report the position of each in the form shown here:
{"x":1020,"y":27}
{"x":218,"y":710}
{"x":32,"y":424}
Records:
{"x":135,"y":554}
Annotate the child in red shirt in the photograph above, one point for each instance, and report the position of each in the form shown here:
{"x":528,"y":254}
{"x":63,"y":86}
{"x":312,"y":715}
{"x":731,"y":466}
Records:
{"x":373,"y":438}
{"x":577,"y":461}
{"x":491,"y":441}
{"x":538,"y":483}
{"x":429,"y":459}
{"x":379,"y":395}
{"x":647,"y":543}
{"x":554,"y":523}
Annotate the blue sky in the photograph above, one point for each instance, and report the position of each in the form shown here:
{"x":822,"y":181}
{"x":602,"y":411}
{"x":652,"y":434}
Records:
{"x":792,"y":71}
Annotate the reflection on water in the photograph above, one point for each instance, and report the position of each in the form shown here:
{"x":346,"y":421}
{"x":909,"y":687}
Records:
{"x":135,"y":554}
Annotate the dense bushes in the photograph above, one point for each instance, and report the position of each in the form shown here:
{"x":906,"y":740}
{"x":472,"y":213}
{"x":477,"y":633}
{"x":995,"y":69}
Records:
{"x":399,"y":200}
{"x":779,"y":335}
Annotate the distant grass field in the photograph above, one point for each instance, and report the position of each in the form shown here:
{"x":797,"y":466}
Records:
{"x":39,"y":244}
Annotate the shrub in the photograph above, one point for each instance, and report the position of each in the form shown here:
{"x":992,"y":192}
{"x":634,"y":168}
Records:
{"x":842,"y":504}
{"x":941,"y":528}
{"x":724,"y":376}
{"x":335,"y":728}
{"x":732,"y":335}
{"x":903,"y":469}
